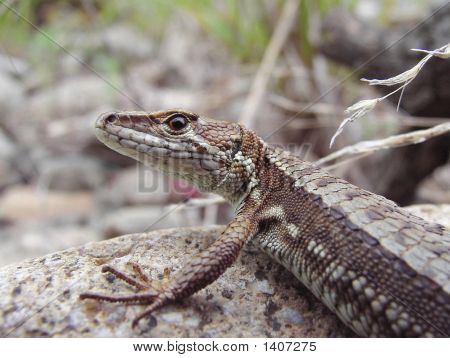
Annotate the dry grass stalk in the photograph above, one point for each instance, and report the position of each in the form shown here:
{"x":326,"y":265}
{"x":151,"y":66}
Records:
{"x":259,"y":85}
{"x":371,"y":146}
{"x":362,"y":107}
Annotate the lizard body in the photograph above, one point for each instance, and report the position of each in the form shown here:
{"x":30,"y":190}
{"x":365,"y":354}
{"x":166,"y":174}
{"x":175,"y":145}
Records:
{"x":382,"y":270}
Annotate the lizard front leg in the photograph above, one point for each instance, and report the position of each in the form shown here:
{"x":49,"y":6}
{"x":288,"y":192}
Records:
{"x":199,"y":272}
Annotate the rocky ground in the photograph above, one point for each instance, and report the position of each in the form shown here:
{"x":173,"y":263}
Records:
{"x":254,"y":298}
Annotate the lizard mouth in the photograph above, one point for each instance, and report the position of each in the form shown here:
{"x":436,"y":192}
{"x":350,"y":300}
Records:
{"x":136,"y":143}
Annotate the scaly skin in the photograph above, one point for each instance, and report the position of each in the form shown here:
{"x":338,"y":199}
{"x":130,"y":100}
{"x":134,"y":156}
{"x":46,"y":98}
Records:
{"x":382,"y":270}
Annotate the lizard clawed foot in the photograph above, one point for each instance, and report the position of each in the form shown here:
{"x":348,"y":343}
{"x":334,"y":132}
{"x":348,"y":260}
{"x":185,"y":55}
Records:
{"x":152,"y":295}
{"x":203,"y":269}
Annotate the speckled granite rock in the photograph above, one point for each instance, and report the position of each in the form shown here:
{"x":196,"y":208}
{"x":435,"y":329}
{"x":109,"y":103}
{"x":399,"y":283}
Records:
{"x":254,"y":298}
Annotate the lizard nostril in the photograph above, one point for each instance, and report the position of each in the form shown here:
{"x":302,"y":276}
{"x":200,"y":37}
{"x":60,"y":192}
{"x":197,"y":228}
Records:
{"x":110,"y":117}
{"x":106,"y":118}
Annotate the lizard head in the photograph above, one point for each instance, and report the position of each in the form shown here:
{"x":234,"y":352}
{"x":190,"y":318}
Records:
{"x":215,"y":156}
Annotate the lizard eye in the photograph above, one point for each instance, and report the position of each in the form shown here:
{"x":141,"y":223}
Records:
{"x":177,"y":123}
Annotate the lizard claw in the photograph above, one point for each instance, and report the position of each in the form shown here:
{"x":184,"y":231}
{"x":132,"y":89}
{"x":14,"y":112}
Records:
{"x":142,"y":299}
{"x":152,"y":295}
{"x":163,"y":298}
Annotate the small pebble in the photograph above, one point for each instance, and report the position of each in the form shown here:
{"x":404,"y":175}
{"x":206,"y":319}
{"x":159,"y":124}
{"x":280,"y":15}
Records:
{"x":172,"y":317}
{"x":290,"y":315}
{"x":192,"y":322}
{"x":230,"y":308}
{"x":264,"y":287}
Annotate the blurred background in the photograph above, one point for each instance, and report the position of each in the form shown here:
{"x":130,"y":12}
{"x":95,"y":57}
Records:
{"x":62,"y":63}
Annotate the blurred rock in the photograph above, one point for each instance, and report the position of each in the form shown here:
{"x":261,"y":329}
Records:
{"x":144,"y":218}
{"x":27,"y":240}
{"x":70,"y":64}
{"x":436,"y":187}
{"x":13,"y":66}
{"x":201,"y":101}
{"x":7,"y":147}
{"x":70,"y":173}
{"x":70,"y":97}
{"x":69,"y":134}
{"x":25,"y":203}
{"x":58,"y":136}
{"x":163,"y":98}
{"x":138,"y":185}
{"x":119,"y":41}
{"x":40,"y":297}
{"x":155,"y":73}
{"x":12,"y":94}
{"x":194,"y":55}
{"x":126,"y":43}
{"x":8,"y":173}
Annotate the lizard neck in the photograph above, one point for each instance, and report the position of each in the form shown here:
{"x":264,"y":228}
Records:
{"x":248,"y":162}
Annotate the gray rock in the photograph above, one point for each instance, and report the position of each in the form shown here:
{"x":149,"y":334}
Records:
{"x":200,"y":101}
{"x":13,"y":66}
{"x":290,"y":315}
{"x":138,"y":185}
{"x":58,"y":101}
{"x":24,"y":203}
{"x":151,"y":73}
{"x":70,"y":173}
{"x":147,"y":217}
{"x":127,"y":43}
{"x":119,"y":41}
{"x":172,"y":317}
{"x":157,"y":97}
{"x":12,"y":94}
{"x":436,"y":187}
{"x":40,"y":297}
{"x":208,"y":60}
{"x":263,"y":286}
{"x":8,"y":173}
{"x":56,"y":136}
{"x":7,"y":147}
{"x":27,"y":240}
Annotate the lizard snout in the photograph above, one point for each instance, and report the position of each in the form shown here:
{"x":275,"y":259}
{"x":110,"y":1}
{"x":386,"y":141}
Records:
{"x":105,"y":118}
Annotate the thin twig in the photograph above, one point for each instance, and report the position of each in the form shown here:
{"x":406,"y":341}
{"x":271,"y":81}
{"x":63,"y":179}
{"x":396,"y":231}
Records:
{"x":330,"y":111}
{"x":6,"y":4}
{"x":305,"y":108}
{"x":201,"y":202}
{"x":372,"y":146}
{"x":259,"y":85}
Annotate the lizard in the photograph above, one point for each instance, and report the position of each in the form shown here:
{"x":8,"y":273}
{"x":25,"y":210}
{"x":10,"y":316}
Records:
{"x":382,"y":270}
